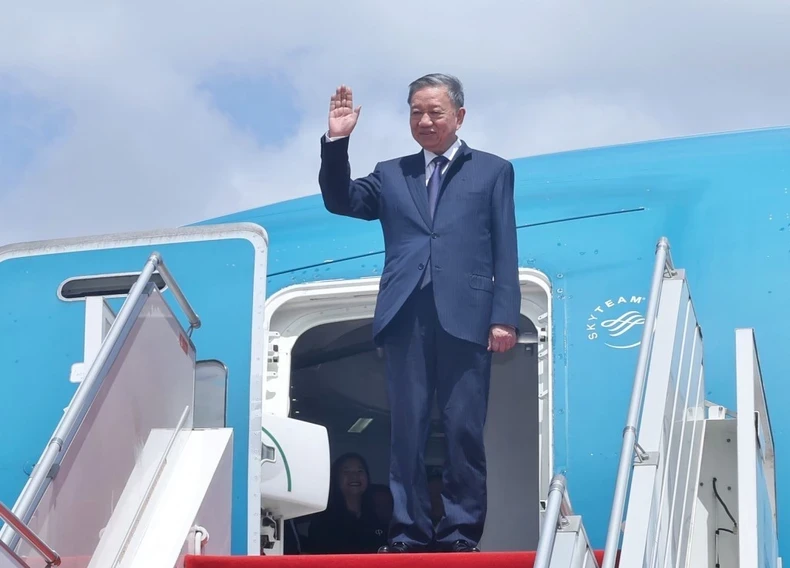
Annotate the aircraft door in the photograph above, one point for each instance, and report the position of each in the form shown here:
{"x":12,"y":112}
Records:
{"x":43,"y":289}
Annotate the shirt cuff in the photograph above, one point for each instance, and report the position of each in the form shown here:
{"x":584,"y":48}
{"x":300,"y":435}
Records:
{"x":329,"y":139}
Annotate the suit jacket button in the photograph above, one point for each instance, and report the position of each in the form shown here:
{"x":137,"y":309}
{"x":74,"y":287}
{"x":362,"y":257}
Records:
{"x":434,"y":235}
{"x":421,"y":266}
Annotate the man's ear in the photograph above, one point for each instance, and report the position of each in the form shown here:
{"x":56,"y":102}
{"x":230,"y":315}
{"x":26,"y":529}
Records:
{"x":460,"y":114}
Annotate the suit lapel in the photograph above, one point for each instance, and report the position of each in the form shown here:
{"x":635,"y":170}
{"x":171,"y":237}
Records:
{"x":461,"y":156}
{"x":415,"y":179}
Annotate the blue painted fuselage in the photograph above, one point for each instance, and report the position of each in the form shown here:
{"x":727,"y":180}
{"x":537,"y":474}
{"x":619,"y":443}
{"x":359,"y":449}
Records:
{"x":590,"y":221}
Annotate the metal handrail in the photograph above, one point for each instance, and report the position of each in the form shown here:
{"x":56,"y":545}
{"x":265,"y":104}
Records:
{"x":52,"y":557}
{"x":86,"y":392}
{"x":663,"y":264}
{"x":201,"y":537}
{"x":167,"y":276}
{"x":558,"y":508}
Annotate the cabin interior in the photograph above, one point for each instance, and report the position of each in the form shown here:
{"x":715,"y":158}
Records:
{"x":336,"y":379}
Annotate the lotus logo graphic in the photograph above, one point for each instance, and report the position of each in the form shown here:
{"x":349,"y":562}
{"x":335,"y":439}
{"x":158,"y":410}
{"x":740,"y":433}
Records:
{"x":624,"y":329}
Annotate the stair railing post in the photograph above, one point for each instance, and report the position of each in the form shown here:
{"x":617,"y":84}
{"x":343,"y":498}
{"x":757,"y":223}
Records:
{"x":557,"y":508}
{"x":662,"y":263}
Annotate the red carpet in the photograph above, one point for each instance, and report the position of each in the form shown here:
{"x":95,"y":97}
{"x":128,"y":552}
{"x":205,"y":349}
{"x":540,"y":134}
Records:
{"x":467,"y":560}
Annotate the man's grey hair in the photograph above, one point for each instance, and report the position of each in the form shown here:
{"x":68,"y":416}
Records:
{"x":453,"y":85}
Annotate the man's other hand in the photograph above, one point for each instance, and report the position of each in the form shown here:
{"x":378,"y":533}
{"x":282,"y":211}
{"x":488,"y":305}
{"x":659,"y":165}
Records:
{"x":501,"y":338}
{"x":342,"y":114}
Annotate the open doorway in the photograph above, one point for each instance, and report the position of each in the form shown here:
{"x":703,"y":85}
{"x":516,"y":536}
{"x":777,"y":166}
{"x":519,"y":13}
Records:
{"x":336,"y":379}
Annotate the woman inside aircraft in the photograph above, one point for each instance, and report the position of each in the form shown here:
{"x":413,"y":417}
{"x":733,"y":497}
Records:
{"x":349,"y":525}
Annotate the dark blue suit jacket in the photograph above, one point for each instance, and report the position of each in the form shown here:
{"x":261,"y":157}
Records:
{"x":471,"y":241}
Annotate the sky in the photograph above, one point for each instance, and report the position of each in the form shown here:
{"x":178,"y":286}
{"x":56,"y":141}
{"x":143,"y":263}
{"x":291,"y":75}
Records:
{"x":118,"y":116}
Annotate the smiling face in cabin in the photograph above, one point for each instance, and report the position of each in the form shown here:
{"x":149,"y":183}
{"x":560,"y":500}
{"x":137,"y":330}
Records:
{"x":353,"y":477}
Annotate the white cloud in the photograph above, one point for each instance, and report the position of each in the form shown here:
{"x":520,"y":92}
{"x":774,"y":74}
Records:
{"x":145,"y":148}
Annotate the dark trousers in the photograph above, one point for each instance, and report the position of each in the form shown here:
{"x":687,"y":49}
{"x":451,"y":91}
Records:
{"x":422,"y":360}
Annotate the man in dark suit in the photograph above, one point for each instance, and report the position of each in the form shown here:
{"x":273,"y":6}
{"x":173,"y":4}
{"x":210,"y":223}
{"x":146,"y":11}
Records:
{"x":449,"y":296}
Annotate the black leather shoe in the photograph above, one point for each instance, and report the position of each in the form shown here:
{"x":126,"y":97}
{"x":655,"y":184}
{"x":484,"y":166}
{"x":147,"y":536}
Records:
{"x":395,"y":547}
{"x":462,"y":546}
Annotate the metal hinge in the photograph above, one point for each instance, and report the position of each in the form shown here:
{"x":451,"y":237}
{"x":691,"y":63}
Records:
{"x":645,"y":458}
{"x":273,"y":356}
{"x":270,"y":530}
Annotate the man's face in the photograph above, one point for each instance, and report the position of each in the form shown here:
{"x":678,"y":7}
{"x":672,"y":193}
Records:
{"x":434,"y":119}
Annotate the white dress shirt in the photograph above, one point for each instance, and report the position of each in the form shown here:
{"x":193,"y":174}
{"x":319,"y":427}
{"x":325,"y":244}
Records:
{"x":449,"y":154}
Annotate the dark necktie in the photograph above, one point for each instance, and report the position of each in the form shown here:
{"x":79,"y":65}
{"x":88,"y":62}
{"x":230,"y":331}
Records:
{"x":435,"y":182}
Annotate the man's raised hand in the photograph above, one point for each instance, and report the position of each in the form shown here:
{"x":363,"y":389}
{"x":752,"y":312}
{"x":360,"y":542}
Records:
{"x":342,"y":114}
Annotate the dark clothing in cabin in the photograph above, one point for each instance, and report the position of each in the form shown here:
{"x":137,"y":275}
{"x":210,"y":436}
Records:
{"x":338,"y":531}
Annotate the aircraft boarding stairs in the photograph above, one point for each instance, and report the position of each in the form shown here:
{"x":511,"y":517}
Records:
{"x":695,"y":482}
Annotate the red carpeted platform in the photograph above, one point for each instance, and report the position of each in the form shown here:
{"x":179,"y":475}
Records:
{"x":465,"y":560}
